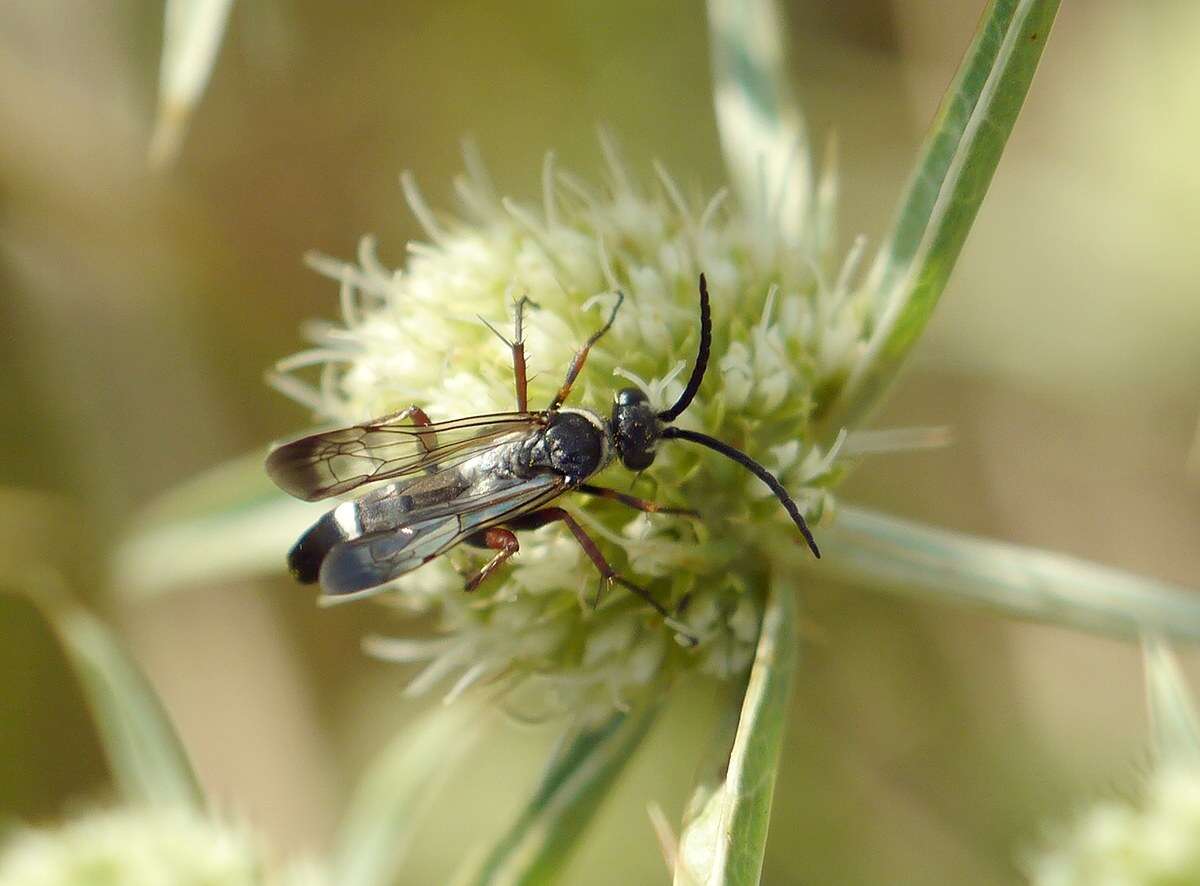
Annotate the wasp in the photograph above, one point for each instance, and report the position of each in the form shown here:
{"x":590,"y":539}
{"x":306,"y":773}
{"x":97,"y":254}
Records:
{"x":479,"y":480}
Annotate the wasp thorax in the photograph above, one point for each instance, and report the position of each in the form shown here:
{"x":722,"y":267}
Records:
{"x":636,"y":429}
{"x":572,"y":445}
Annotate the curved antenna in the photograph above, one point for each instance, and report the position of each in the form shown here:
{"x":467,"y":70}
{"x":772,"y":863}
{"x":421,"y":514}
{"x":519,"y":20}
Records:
{"x":693,"y":384}
{"x":756,"y":469}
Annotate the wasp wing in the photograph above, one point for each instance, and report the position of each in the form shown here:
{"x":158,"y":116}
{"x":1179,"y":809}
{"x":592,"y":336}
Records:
{"x":333,"y":462}
{"x":381,"y":509}
{"x":362,"y":565}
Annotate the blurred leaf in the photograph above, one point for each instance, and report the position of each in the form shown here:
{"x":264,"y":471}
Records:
{"x":876,"y":551}
{"x":762,"y":131}
{"x":192,"y":32}
{"x":1173,"y":717}
{"x":957,"y":161}
{"x":392,"y":795}
{"x":576,"y":781}
{"x":148,"y":761}
{"x":725,"y":828}
{"x":229,"y":523}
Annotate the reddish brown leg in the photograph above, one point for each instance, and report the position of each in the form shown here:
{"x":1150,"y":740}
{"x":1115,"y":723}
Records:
{"x":518,"y":355}
{"x":520,"y":376}
{"x":639,"y":504}
{"x":497,"y":539}
{"x":581,"y":357}
{"x":607,"y":573}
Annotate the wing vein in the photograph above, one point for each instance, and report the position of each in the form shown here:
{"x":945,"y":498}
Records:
{"x":334,"y":462}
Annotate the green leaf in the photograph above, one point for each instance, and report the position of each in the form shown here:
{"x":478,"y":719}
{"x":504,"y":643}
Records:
{"x":192,"y":32}
{"x":957,"y":161}
{"x":876,"y":551}
{"x":147,"y":758}
{"x":762,"y":131}
{"x":229,"y":523}
{"x":1173,"y":717}
{"x":725,"y":828}
{"x":576,"y":781}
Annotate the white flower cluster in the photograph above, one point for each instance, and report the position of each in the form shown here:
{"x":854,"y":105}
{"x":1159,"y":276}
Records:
{"x":785,"y":335}
{"x":138,"y":847}
{"x":1156,"y":843}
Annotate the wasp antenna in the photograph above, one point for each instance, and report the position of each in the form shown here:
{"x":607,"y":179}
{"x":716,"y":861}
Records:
{"x":693,"y":384}
{"x":753,"y":467}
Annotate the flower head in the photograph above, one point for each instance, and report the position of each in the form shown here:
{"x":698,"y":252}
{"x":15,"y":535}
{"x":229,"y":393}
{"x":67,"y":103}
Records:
{"x":785,"y":335}
{"x":138,"y":847}
{"x":1152,"y":842}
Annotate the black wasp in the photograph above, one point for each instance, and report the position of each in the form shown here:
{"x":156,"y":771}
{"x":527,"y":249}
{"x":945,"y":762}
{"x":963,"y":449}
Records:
{"x":480,"y":478}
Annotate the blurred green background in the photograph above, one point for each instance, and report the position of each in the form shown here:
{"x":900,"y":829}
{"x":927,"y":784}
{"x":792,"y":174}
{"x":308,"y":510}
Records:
{"x":138,"y":312}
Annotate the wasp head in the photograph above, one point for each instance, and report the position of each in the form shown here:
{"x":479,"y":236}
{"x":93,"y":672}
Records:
{"x":636,"y":429}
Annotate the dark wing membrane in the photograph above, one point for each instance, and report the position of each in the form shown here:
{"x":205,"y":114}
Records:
{"x":365,"y":564}
{"x":333,"y":462}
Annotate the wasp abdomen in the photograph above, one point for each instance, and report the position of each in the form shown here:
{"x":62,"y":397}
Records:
{"x":306,"y":556}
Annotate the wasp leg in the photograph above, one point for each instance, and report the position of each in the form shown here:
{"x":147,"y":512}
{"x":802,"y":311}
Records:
{"x":497,"y":539}
{"x":517,"y":345}
{"x":427,"y":439}
{"x":520,"y":379}
{"x":638,"y":504}
{"x":608,"y":575}
{"x":581,"y":356}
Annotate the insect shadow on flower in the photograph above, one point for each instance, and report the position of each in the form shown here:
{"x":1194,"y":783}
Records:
{"x":482,"y":478}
